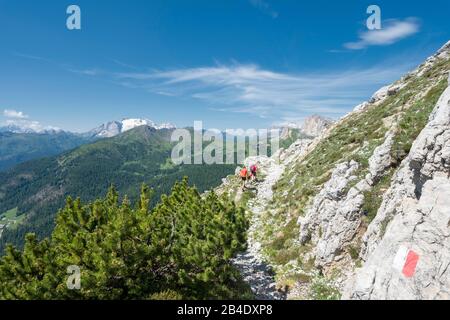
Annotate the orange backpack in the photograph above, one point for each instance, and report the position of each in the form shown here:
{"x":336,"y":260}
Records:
{"x":243,"y":172}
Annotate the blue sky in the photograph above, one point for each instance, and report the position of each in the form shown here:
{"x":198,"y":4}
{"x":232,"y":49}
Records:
{"x":230,"y":63}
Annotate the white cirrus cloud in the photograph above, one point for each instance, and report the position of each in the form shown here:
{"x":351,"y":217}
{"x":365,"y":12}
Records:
{"x":393,"y":31}
{"x":9,"y":113}
{"x":247,"y":88}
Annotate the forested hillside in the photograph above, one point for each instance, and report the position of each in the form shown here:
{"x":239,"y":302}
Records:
{"x":17,"y":148}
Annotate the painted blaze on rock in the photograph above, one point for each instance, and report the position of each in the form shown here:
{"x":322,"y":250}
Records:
{"x":406,"y":261}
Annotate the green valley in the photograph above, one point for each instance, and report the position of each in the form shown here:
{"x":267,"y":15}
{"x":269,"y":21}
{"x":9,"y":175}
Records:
{"x":38,"y":188}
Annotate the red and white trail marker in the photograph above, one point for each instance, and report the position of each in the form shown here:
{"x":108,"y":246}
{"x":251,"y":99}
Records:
{"x":405,"y":261}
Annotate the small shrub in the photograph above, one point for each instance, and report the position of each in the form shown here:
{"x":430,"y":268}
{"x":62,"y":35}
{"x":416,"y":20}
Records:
{"x":354,"y":252}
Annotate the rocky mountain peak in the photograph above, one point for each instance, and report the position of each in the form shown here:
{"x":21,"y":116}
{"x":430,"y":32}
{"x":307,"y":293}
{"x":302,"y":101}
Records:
{"x":311,"y":126}
{"x":314,"y":125}
{"x":113,"y":128}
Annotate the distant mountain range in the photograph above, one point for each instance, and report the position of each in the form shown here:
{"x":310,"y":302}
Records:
{"x":17,"y":128}
{"x":19,"y":143}
{"x":106,"y":130}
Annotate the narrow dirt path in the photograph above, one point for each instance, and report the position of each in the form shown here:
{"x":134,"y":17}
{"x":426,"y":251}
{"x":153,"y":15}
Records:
{"x":250,"y":263}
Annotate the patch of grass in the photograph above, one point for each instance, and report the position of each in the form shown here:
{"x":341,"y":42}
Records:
{"x":291,"y":279}
{"x":16,"y":222}
{"x":302,"y":278}
{"x":384,"y":225}
{"x":354,"y":252}
{"x":247,"y":195}
{"x":322,"y":289}
{"x":309,"y":265}
{"x":374,"y":197}
{"x":293,"y":135}
{"x":10,"y":214}
{"x":282,"y":257}
{"x":281,"y":247}
{"x":414,"y":120}
{"x":11,"y":219}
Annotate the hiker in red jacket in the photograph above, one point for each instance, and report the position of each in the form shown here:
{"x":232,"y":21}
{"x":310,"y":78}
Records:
{"x":253,"y":170}
{"x":244,"y":175}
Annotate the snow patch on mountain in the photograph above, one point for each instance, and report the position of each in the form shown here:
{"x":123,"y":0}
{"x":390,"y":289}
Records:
{"x":113,"y":128}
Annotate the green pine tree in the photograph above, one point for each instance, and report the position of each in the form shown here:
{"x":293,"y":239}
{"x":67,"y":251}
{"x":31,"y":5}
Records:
{"x":180,"y":248}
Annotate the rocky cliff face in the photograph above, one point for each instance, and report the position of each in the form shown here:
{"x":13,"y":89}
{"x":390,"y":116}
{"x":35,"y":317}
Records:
{"x":362,"y":211}
{"x":414,"y":218}
{"x":311,"y":127}
{"x":314,"y":125}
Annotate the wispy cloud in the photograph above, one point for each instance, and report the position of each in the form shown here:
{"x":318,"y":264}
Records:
{"x":29,"y":56}
{"x":64,"y":66}
{"x":250,"y":89}
{"x":392,"y":32}
{"x":264,"y":7}
{"x":123,"y":64}
{"x":9,"y":113}
{"x":264,"y":93}
{"x":87,"y":72}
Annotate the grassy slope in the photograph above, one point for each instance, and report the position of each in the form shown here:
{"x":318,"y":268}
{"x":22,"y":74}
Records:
{"x":293,"y":135}
{"x":354,"y":138}
{"x":10,"y":214}
{"x":11,"y":218}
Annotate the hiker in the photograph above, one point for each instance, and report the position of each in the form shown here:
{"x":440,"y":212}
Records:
{"x":253,"y":169}
{"x":243,"y":174}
